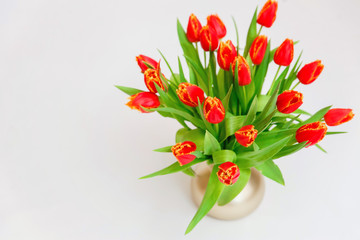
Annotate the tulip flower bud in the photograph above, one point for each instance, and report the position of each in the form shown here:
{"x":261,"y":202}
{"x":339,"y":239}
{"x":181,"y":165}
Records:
{"x":310,"y":72}
{"x":257,"y":49}
{"x":246,"y":135}
{"x":337,"y":116}
{"x":152,"y":77}
{"x":208,"y":37}
{"x":228,"y":173}
{"x":193,"y":29}
{"x":182,"y":151}
{"x":143,"y":99}
{"x":312,"y":133}
{"x":215,"y":22}
{"x":267,"y":14}
{"x":226,"y":54}
{"x":285,"y":53}
{"x":243,"y":71}
{"x":289,"y":101}
{"x":214,"y":111}
{"x":142,"y":58}
{"x":189,"y":94}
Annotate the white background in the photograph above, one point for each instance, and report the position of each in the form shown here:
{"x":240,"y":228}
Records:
{"x":71,"y":152}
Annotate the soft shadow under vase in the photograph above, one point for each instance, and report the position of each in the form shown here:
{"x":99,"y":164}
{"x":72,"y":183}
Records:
{"x":244,"y":204}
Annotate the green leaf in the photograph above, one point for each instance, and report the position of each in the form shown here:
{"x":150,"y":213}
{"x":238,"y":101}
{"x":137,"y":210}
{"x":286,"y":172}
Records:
{"x":252,"y":112}
{"x":332,"y":133}
{"x":128,"y":90}
{"x":289,"y":150}
{"x":232,"y":124}
{"x":202,"y":73}
{"x":173,"y":168}
{"x":163,"y":149}
{"x":299,"y":111}
{"x":212,"y":193}
{"x":321,"y":149}
{"x":261,"y":71}
{"x":279,"y":80}
{"x":190,"y":172}
{"x":183,"y":114}
{"x":195,"y":135}
{"x":230,"y":192}
{"x":270,"y":106}
{"x":211,"y":144}
{"x":252,"y":159}
{"x":264,"y":123}
{"x":181,"y":73}
{"x":186,"y":45}
{"x":271,"y":170}
{"x":226,"y":99}
{"x":316,"y":117}
{"x":167,"y":63}
{"x":251,"y":35}
{"x":223,"y":156}
{"x":267,"y":138}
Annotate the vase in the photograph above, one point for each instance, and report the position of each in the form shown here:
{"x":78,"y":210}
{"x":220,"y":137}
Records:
{"x":242,"y":205}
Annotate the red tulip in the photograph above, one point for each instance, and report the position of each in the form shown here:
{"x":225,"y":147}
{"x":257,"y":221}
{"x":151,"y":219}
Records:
{"x":142,"y":58}
{"x":228,"y":173}
{"x":189,"y":94}
{"x":193,"y":29}
{"x":182,"y":152}
{"x":312,"y":133}
{"x":143,"y":99}
{"x":243,"y":71}
{"x":208,"y":37}
{"x":215,"y":22}
{"x":337,"y":116}
{"x":267,"y":14}
{"x":257,"y":49}
{"x":152,"y":77}
{"x":246,"y":135}
{"x":310,"y":72}
{"x":214,"y":111}
{"x":285,"y":53}
{"x":289,"y":101}
{"x":226,"y":54}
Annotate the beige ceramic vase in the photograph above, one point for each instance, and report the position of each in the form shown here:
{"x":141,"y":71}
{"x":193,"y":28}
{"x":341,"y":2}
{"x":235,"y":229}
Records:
{"x":244,"y":204}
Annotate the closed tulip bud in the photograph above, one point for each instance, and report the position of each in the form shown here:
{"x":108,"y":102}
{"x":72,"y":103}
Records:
{"x":337,"y":116}
{"x":143,"y":100}
{"x":243,"y":70}
{"x":182,"y":151}
{"x":193,"y":29}
{"x":312,"y":133}
{"x":257,"y":49}
{"x":142,"y":59}
{"x":215,"y":22}
{"x":226,"y":54}
{"x":190,"y":94}
{"x":246,"y":135}
{"x":310,"y":72}
{"x":152,"y":77}
{"x":208,"y":37}
{"x":214,"y":111}
{"x":228,"y":173}
{"x":289,"y":101}
{"x":267,"y":14}
{"x":285,"y":53}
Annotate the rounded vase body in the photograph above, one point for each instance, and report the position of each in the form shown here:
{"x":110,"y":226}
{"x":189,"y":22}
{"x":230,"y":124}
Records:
{"x":242,"y":205}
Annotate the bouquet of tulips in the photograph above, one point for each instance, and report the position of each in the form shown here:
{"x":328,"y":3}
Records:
{"x":228,"y":119}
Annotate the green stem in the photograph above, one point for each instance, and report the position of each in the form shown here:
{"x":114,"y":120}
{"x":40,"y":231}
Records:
{"x":260,"y":30}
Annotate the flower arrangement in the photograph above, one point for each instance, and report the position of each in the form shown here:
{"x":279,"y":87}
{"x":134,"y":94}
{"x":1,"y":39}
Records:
{"x":228,"y":120}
